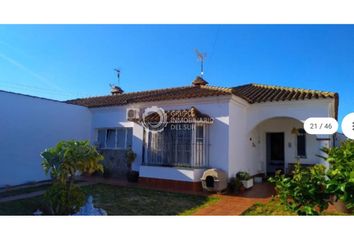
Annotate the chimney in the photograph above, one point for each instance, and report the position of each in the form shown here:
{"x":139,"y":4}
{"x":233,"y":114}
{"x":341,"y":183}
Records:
{"x":199,"y":81}
{"x":116,"y":90}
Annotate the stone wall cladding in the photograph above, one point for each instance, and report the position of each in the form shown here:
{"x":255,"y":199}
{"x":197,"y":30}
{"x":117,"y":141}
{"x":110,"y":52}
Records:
{"x":115,"y":161}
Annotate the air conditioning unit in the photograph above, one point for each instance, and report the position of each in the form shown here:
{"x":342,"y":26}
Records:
{"x":133,"y":114}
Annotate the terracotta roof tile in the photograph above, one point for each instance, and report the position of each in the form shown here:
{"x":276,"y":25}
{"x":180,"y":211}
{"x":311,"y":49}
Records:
{"x":257,"y":93}
{"x":185,"y":115}
{"x":153,"y":95}
{"x":252,"y":93}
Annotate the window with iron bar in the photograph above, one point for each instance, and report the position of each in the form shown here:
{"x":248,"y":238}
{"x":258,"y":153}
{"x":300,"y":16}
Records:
{"x":178,"y":145}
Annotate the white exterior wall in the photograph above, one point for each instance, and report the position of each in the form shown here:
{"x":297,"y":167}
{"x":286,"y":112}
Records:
{"x":177,"y":174}
{"x":216,"y":107}
{"x":28,"y":125}
{"x":300,"y":110}
{"x":237,"y":136}
{"x":112,"y":117}
{"x":238,"y":155}
{"x":285,"y":125}
{"x":248,"y":127}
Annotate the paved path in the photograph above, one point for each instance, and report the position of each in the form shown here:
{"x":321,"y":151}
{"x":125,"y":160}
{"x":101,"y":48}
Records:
{"x":31,"y":194}
{"x":237,"y":204}
{"x":21,"y":196}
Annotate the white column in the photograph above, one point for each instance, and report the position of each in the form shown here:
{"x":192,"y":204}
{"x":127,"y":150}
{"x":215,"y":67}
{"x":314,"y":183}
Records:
{"x":324,"y":142}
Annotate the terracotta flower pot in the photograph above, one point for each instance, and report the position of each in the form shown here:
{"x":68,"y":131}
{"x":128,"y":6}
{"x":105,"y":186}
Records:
{"x":133,"y":176}
{"x":340,"y":206}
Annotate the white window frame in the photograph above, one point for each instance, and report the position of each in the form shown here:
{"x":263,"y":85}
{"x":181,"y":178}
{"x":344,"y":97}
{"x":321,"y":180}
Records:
{"x":305,"y":146}
{"x":116,"y":138}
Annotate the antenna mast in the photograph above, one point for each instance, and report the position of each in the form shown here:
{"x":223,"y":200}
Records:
{"x":201,"y":57}
{"x":118,"y":75}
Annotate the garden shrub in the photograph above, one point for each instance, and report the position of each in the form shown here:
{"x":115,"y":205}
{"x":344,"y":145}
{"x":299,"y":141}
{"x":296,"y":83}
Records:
{"x":305,"y":192}
{"x":341,"y":172}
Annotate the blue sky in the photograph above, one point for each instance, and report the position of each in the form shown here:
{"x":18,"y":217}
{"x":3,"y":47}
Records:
{"x":69,"y":61}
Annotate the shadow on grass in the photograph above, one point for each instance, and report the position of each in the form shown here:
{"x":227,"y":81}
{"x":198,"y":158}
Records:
{"x":122,"y":201}
{"x":136,"y":201}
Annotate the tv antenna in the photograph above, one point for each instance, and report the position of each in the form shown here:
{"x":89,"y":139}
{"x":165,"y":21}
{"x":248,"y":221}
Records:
{"x":201,"y":57}
{"x":118,"y":75}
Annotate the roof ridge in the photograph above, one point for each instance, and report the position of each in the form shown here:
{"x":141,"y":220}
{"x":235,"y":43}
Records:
{"x":252,"y":93}
{"x":277,"y":87}
{"x":159,"y":89}
{"x":136,"y":92}
{"x":182,"y":109}
{"x":225,"y":89}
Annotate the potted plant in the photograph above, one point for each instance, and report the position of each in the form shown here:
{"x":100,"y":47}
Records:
{"x":258,"y":178}
{"x":239,"y":186}
{"x":245,"y":178}
{"x":108,"y":168}
{"x":231,"y":186}
{"x":132,"y":176}
{"x":107,"y":172}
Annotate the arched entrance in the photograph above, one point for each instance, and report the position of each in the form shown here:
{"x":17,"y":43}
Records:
{"x":279,"y":142}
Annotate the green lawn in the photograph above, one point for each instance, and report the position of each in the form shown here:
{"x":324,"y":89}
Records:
{"x":123,"y":201}
{"x":272,"y":208}
{"x":275,"y":208}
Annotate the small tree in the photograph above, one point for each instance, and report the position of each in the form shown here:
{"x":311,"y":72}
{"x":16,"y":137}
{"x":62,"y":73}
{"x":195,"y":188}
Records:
{"x":63,"y":162}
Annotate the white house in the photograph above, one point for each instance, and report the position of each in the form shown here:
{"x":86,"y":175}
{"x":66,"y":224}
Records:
{"x":254,"y":128}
